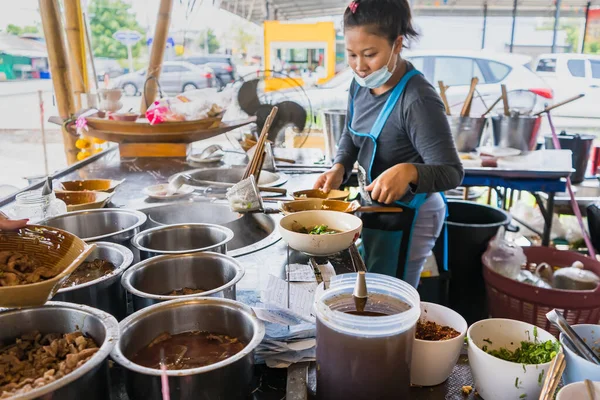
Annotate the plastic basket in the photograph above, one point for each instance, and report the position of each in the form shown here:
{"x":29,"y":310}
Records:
{"x":508,"y":298}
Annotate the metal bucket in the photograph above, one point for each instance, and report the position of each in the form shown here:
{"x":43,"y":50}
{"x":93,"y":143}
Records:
{"x":227,"y":379}
{"x":182,"y":239}
{"x":90,"y":381}
{"x":105,"y":293}
{"x":466,"y":132}
{"x":334,"y":122}
{"x":148,"y":281}
{"x":517,"y":132}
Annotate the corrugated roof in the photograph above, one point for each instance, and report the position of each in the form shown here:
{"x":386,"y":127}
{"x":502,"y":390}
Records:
{"x":14,"y":45}
{"x":259,"y":10}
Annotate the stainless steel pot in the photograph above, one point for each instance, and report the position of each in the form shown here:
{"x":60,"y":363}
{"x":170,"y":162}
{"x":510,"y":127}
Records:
{"x":215,"y":273}
{"x":90,"y":381}
{"x":228,"y":379}
{"x":114,"y":225}
{"x":517,"y":131}
{"x":105,"y":293}
{"x":181,"y":239}
{"x":466,"y":132}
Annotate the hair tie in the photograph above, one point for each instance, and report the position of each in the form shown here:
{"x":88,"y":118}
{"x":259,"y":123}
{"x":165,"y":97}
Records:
{"x":353,"y":6}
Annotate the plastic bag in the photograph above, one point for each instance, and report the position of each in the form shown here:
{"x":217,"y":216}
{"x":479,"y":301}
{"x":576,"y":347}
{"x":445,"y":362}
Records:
{"x":533,"y":217}
{"x":244,"y":196}
{"x":504,"y":257}
{"x":189,"y":106}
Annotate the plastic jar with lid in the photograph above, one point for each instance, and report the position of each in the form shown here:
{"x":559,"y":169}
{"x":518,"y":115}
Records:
{"x":364,"y":357}
{"x":35,"y":206}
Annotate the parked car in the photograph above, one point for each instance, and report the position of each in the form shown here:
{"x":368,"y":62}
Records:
{"x":569,"y":75}
{"x":454,"y":68}
{"x":221,"y":64}
{"x":175,"y":77}
{"x":107,"y":66}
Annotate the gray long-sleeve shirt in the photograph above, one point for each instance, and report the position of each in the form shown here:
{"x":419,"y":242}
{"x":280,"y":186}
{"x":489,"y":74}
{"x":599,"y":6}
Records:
{"x":417,"y":132}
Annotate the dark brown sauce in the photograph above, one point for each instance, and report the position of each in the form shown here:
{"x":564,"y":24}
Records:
{"x":188,"y":350}
{"x":89,"y":271}
{"x":184,"y":292}
{"x":367,"y":313}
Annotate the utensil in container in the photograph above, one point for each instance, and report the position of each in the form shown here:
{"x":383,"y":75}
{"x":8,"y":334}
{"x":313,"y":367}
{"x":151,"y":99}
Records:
{"x":553,"y":377}
{"x":182,"y":239}
{"x":150,"y":281}
{"x":578,"y":368}
{"x":578,"y":344}
{"x":517,"y":132}
{"x":227,"y":379}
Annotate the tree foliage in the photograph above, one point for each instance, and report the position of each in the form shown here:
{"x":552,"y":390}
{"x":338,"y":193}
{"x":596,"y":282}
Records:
{"x":20,"y":30}
{"x":213,"y":42}
{"x":106,"y":18}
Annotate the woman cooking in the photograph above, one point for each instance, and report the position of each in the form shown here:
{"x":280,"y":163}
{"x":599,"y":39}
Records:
{"x":398,"y":132}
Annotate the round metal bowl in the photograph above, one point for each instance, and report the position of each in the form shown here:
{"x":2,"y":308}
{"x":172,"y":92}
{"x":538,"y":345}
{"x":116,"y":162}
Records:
{"x":90,"y":381}
{"x":227,"y":379}
{"x":231,"y":175}
{"x":182,"y":239}
{"x":215,"y":273}
{"x":105,"y":293}
{"x":114,"y":225}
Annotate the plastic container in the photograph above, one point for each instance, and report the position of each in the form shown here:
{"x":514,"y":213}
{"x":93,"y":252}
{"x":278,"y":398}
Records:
{"x":515,"y":300}
{"x":577,"y":390}
{"x":365,"y":357}
{"x":37,"y":207}
{"x":578,"y":368}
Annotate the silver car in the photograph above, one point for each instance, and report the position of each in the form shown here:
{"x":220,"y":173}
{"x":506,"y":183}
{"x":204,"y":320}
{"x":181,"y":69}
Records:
{"x":175,"y":77}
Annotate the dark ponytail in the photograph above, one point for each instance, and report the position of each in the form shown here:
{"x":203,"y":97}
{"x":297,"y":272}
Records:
{"x":385,"y":18}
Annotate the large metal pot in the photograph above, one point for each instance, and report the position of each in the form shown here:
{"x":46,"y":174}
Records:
{"x":517,"y":132}
{"x":334,"y":122}
{"x":116,"y":225}
{"x":182,"y":239}
{"x":215,"y":273}
{"x":466,"y":132}
{"x":90,"y":381}
{"x":105,"y":293}
{"x":228,"y":379}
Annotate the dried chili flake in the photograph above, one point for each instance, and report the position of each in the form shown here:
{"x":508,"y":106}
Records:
{"x":428,"y":330}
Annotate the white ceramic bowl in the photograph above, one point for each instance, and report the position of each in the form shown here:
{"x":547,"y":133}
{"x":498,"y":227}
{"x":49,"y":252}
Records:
{"x":497,"y":379}
{"x":577,"y":391}
{"x":320,"y":245}
{"x":578,"y":368}
{"x":433,"y":361}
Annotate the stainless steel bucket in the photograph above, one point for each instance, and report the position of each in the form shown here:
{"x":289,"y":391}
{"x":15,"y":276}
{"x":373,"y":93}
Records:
{"x":91,"y":380}
{"x":466,"y":132}
{"x":227,"y":379}
{"x":105,"y":293}
{"x":182,"y":239}
{"x":148,"y":281}
{"x":334,"y":122}
{"x":517,"y":132}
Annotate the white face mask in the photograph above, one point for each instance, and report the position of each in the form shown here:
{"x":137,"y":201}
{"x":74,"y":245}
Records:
{"x":378,"y":78}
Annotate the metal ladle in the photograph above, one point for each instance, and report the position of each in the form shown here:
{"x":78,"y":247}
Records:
{"x":360,"y":294}
{"x":209,"y":152}
{"x":578,"y":344}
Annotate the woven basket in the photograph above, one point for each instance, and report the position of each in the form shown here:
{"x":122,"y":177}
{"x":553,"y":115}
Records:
{"x":52,"y":247}
{"x":508,"y":298}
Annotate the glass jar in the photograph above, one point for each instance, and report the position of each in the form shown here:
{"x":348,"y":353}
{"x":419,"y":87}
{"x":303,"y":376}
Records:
{"x":365,"y":356}
{"x":36,"y":207}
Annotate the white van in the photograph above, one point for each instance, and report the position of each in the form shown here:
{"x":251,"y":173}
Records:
{"x":569,"y":75}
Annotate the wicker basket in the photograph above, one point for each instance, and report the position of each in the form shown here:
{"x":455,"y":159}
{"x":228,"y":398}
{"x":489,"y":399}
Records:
{"x":52,"y":247}
{"x":508,"y":298}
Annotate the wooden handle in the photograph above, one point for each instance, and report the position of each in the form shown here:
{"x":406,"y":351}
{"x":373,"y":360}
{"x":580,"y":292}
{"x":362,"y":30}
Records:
{"x":505,"y":100}
{"x":443,"y":89}
{"x":466,"y":110}
{"x":285,"y":160}
{"x":381,"y":209}
{"x":562,"y":103}
{"x":489,"y":110}
{"x":272,"y":190}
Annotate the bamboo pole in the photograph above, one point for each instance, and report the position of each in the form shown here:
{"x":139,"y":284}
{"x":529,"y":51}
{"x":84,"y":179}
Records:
{"x":61,"y":80}
{"x":77,"y":59}
{"x":159,"y":43}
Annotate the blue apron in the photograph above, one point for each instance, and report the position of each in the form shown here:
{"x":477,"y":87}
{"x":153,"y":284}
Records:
{"x":387,"y":236}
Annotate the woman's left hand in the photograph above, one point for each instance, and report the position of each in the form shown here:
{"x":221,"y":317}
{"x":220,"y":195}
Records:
{"x":7,"y":224}
{"x":393,"y":183}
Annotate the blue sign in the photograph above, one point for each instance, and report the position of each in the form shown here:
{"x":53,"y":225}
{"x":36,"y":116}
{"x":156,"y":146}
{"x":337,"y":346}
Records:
{"x":127,"y":38}
{"x":170,"y":42}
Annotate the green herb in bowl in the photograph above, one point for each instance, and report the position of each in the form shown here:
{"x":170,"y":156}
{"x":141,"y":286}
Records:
{"x":535,"y":352}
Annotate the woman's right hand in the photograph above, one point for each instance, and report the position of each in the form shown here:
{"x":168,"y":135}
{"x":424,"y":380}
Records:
{"x":331,"y":179}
